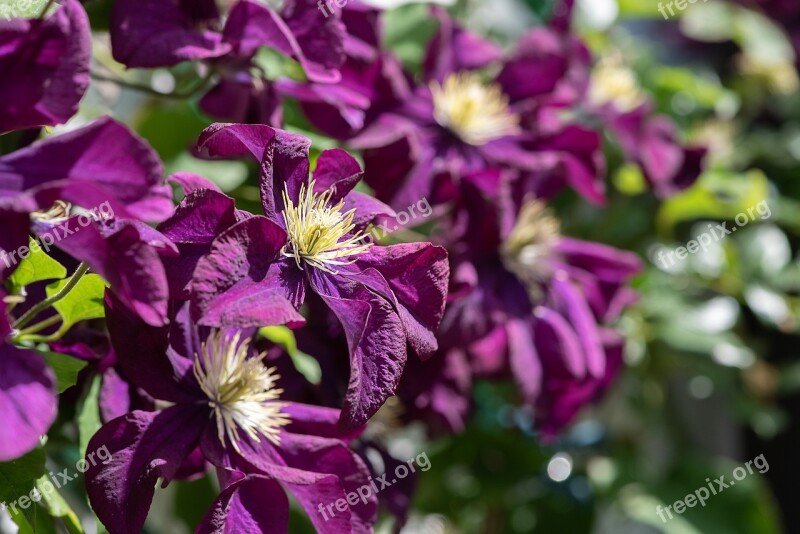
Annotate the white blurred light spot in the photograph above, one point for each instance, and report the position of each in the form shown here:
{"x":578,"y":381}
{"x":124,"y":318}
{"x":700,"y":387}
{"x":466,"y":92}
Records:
{"x":560,"y":467}
{"x":163,"y":81}
{"x":597,"y":14}
{"x":701,"y":387}
{"x":733,"y":356}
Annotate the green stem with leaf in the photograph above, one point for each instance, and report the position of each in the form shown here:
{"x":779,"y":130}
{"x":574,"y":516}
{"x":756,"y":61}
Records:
{"x":20,"y":323}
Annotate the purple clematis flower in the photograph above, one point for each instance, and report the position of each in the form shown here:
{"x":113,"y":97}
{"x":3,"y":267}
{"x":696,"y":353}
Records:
{"x":389,"y":300}
{"x":458,"y":124}
{"x":44,"y":65}
{"x":87,"y":192}
{"x":27,"y":394}
{"x":224,"y":402}
{"x":531,"y":304}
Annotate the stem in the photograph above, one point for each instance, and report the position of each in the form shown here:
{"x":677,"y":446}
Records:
{"x":178,"y":95}
{"x":49,"y":301}
{"x":46,"y":9}
{"x":38,"y":327}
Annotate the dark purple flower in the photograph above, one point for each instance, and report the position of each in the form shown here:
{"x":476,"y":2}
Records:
{"x":387,"y":299}
{"x":458,"y":124}
{"x":27,"y":394}
{"x":530,"y":304}
{"x":87,"y":192}
{"x":44,"y":65}
{"x":224,"y":401}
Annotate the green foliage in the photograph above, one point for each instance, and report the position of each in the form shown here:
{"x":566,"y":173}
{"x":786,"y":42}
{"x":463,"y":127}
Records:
{"x":66,"y":369}
{"x":83,"y":303}
{"x":37,"y":267}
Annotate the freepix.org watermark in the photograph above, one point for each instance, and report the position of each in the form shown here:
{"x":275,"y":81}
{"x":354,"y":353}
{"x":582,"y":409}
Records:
{"x":666,"y":256}
{"x":61,"y":231}
{"x":367,"y":490}
{"x":713,"y":487}
{"x":50,"y":484}
{"x":422,"y":209}
{"x":680,"y":4}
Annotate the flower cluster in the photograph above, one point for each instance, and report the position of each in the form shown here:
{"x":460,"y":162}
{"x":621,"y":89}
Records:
{"x":190,"y":382}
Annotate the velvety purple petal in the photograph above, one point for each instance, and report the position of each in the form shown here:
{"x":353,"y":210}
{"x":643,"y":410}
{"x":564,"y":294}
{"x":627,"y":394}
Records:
{"x":161,"y":33}
{"x":199,"y":219}
{"x":368,"y":210}
{"x":538,"y":64}
{"x":143,"y":355}
{"x":189,"y":182}
{"x":283,"y":157}
{"x":580,"y":316}
{"x":246,"y":100}
{"x":27,"y":400}
{"x":131,"y":266}
{"x":321,"y":42}
{"x":317,"y":421}
{"x":454,"y":49}
{"x":554,"y":332}
{"x":523,"y":359}
{"x":101,"y":162}
{"x":299,"y":32}
{"x":236,"y":284}
{"x":44,"y":66}
{"x":605,"y":262}
{"x":253,"y":503}
{"x":115,"y":396}
{"x":337,"y":170}
{"x":144,"y":447}
{"x":377,"y":343}
{"x":418,"y":275}
{"x":400,"y":173}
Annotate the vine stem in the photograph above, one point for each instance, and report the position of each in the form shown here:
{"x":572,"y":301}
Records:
{"x":46,"y":9}
{"x":49,"y":301}
{"x":179,"y":95}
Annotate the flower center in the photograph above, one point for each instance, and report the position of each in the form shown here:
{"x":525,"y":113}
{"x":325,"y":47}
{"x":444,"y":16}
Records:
{"x":241,"y":390}
{"x":319,"y":233}
{"x":529,"y":245}
{"x":613,"y":82}
{"x":476,"y":112}
{"x":60,"y":211}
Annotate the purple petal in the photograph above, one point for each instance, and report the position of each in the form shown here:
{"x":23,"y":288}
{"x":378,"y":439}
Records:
{"x":239,"y":283}
{"x":115,"y":396}
{"x":27,"y":399}
{"x":143,"y":447}
{"x":453,"y":49}
{"x":376,"y":339}
{"x":202,"y":216}
{"x":418,"y":275}
{"x":524,"y":359}
{"x":162,"y":33}
{"x":247,"y":100}
{"x":99,"y":163}
{"x":253,"y":503}
{"x":45,"y":68}
{"x":190,"y":182}
{"x":337,"y":170}
{"x":577,"y":310}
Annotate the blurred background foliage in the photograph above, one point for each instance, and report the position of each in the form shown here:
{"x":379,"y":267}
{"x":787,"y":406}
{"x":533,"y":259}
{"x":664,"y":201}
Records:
{"x":712,"y":376}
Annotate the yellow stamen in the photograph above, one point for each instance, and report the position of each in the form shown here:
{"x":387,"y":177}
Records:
{"x":318,"y":232}
{"x":529,"y":244}
{"x":476,"y":112}
{"x":241,"y":390}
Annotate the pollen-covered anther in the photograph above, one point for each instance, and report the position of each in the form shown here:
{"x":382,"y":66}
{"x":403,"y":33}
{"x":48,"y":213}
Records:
{"x":319,"y":234}
{"x":59,"y":211}
{"x":474,"y":111}
{"x":240,"y":389}
{"x":529,"y":246}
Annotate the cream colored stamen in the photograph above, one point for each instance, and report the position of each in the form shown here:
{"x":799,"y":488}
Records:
{"x":319,"y":233}
{"x":241,"y":390}
{"x":476,"y":112}
{"x":530,"y":244}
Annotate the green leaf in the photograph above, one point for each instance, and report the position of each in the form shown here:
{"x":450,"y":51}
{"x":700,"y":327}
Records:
{"x":306,"y":365}
{"x":18,"y":476}
{"x":37,"y":266}
{"x":84,"y":302}
{"x":66,"y":369}
{"x":56,"y":506}
{"x":89,"y":415}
